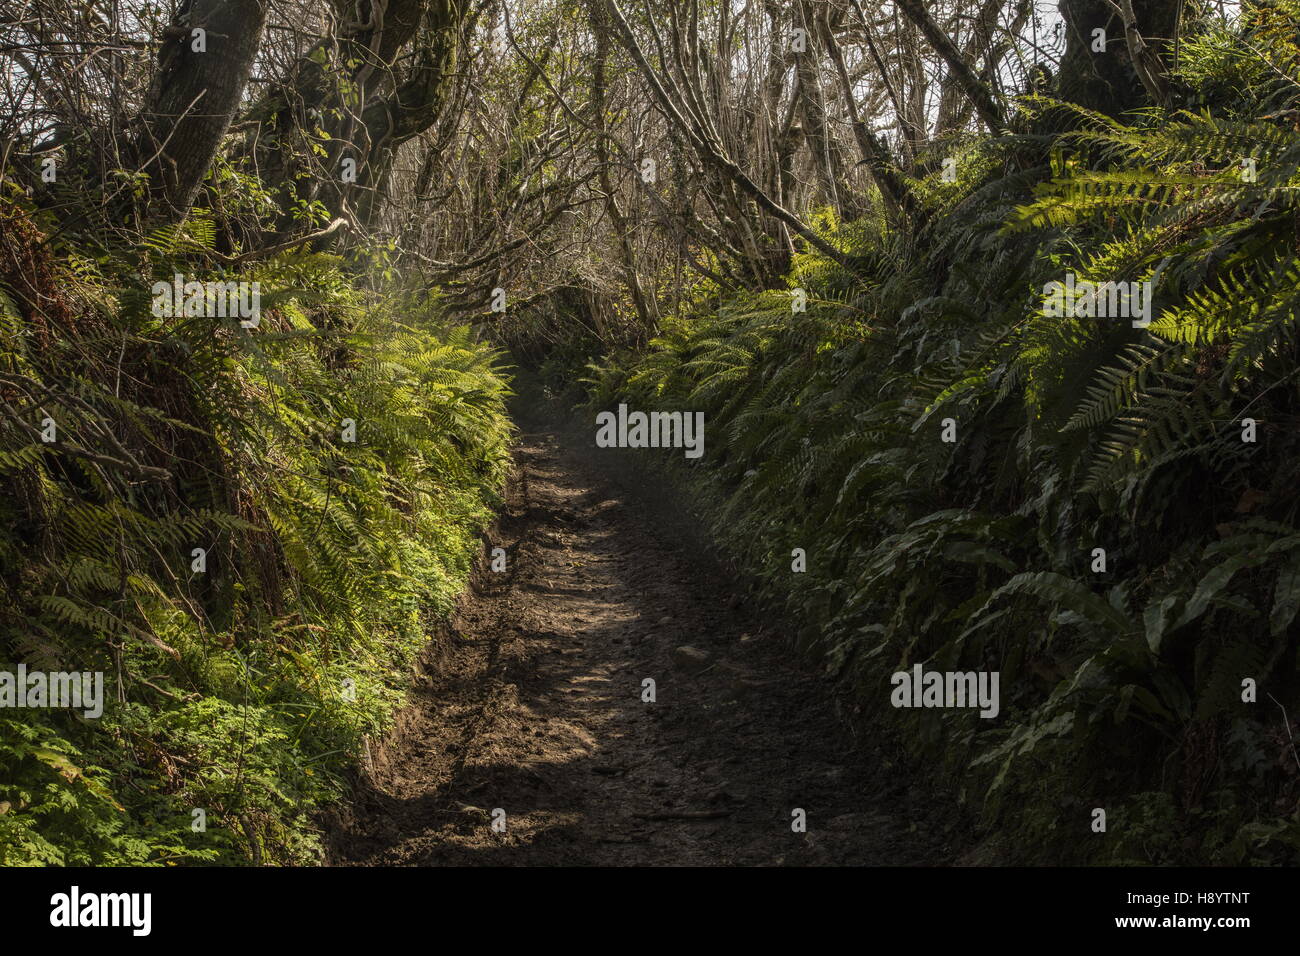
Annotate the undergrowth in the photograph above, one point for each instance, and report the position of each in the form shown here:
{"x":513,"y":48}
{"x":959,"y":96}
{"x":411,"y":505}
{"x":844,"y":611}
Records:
{"x":1124,"y":681}
{"x":253,"y":585}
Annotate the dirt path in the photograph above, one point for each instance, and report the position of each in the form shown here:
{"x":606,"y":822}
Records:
{"x":533,"y":704}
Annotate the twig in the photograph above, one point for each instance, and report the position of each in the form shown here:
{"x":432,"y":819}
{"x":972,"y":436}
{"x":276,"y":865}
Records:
{"x":1286,"y":722}
{"x":332,"y":228}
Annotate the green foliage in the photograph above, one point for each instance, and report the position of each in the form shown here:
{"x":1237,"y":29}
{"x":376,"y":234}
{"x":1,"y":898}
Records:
{"x":1121,"y":688}
{"x":247,"y":689}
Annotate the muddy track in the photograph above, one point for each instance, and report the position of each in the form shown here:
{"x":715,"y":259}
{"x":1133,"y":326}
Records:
{"x":532,"y":703}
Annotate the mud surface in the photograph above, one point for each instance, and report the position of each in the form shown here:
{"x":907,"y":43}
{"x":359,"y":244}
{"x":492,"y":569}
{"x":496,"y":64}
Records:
{"x":532,"y":703}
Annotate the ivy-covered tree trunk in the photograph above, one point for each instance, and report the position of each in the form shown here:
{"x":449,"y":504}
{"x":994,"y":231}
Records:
{"x":354,"y":90}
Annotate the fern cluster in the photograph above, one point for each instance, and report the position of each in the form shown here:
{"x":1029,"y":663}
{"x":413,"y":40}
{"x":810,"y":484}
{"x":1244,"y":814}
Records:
{"x":245,"y":687}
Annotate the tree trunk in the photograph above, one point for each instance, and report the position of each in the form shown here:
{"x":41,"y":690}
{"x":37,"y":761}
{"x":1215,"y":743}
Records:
{"x":382,"y":106}
{"x":1106,"y":80}
{"x":961,"y":72}
{"x":894,"y":192}
{"x":194,"y":96}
